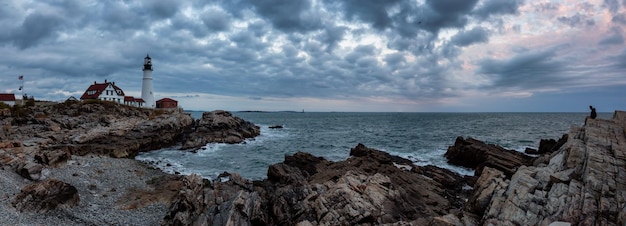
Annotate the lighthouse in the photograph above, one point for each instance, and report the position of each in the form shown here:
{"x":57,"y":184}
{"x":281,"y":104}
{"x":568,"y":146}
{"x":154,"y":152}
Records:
{"x":147,"y":93}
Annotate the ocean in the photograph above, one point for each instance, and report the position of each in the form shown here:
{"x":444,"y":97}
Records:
{"x":420,"y":137}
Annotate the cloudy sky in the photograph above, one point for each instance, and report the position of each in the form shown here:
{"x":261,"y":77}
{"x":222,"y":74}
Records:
{"x":325,"y":55}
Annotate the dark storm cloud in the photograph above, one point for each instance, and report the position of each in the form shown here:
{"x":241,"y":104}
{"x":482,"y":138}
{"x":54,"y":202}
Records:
{"x":466,"y":38}
{"x":407,"y":18}
{"x":35,"y":28}
{"x":332,"y":35}
{"x":527,"y":69}
{"x":394,"y":59}
{"x":619,"y":18}
{"x":619,"y":60}
{"x":447,"y":14}
{"x":451,"y":7}
{"x":576,"y":20}
{"x":293,"y":15}
{"x":370,"y":11}
{"x":499,"y":7}
{"x":216,"y":20}
{"x":118,"y":15}
{"x":612,"y":5}
{"x":163,"y":8}
{"x":360,"y":52}
{"x":615,"y":37}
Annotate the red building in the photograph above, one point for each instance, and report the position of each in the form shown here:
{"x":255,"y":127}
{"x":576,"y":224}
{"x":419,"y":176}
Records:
{"x":7,"y":98}
{"x":166,"y":103}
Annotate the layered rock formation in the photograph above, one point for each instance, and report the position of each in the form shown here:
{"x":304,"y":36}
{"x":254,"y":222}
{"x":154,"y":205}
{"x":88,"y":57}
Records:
{"x":368,"y":188}
{"x":476,"y":154}
{"x":583,"y":183}
{"x":45,"y":196}
{"x":101,"y":128}
{"x":219,"y":127}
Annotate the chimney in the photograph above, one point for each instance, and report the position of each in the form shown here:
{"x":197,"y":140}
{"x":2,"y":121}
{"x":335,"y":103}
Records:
{"x":105,"y":81}
{"x":94,"y":82}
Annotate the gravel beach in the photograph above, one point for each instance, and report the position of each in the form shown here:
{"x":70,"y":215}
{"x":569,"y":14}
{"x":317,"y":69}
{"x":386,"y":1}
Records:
{"x":110,"y":191}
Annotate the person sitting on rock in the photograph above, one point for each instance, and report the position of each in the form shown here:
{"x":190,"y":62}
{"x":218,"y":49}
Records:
{"x":593,"y":114}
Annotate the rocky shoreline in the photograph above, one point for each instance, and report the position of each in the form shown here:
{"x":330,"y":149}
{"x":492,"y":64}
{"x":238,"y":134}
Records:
{"x":70,"y":164}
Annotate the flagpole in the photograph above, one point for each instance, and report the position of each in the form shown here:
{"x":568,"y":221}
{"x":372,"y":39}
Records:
{"x":21,"y":78}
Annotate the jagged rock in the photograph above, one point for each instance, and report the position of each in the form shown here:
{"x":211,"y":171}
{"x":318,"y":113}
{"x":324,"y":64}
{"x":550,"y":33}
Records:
{"x":29,"y":170}
{"x":476,"y":154}
{"x":53,"y":157}
{"x":367,"y":188}
{"x":45,"y":196}
{"x":547,"y":146}
{"x":220,"y":127}
{"x":490,"y":182}
{"x":584,"y":182}
{"x":189,"y":205}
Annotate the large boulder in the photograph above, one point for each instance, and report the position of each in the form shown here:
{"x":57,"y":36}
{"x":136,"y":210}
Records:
{"x":370,"y":187}
{"x":46,"y":195}
{"x":29,"y":170}
{"x":219,"y":127}
{"x":476,"y":154}
{"x":547,"y":146}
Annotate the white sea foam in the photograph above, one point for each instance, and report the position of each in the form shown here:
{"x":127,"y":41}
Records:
{"x":210,"y":149}
{"x":434,"y":158}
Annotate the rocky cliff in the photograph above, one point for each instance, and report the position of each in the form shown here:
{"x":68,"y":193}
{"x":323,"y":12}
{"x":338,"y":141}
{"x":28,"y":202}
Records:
{"x":582,"y":183}
{"x":36,"y":139}
{"x":101,"y":128}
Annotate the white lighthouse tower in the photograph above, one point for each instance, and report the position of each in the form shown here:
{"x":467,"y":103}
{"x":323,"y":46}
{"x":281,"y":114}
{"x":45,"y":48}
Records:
{"x":146,"y":86}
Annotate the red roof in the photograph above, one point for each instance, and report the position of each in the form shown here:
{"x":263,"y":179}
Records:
{"x":133,"y":99}
{"x":7,"y":97}
{"x":166,"y":100}
{"x":98,"y":88}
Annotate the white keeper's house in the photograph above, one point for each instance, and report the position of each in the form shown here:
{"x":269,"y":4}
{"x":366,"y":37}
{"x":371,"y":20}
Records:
{"x":108,"y":91}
